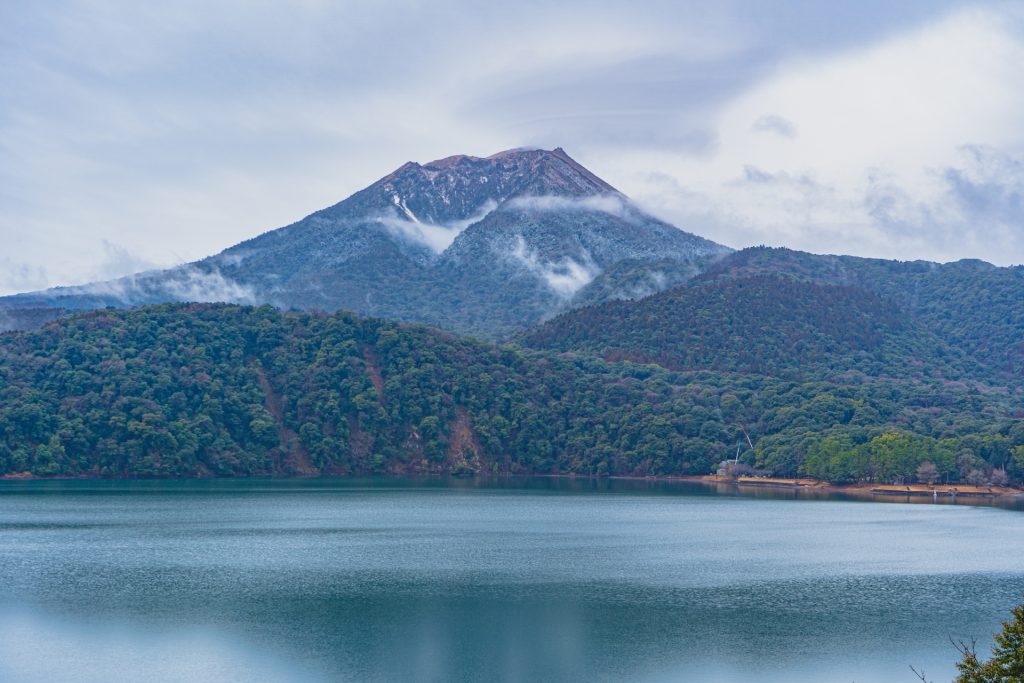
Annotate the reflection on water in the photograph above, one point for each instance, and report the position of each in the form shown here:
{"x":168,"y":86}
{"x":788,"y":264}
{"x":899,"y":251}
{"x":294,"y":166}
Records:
{"x":524,"y":580}
{"x":42,"y":647}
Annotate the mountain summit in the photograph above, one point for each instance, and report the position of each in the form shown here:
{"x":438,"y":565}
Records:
{"x":456,"y":187}
{"x":480,"y":245}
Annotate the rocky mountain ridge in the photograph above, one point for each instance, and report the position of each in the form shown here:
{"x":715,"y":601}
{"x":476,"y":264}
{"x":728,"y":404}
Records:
{"x":486,"y":246}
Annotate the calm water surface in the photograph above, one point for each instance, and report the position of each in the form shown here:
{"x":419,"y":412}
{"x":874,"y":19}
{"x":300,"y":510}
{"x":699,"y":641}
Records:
{"x":535,"y":580}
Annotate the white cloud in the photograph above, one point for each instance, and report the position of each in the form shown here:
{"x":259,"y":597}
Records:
{"x":434,"y":236}
{"x":192,"y":284}
{"x":186,"y":283}
{"x":773,"y":123}
{"x":875,"y":132}
{"x":565,"y":277}
{"x":20,"y":277}
{"x":905,"y":104}
{"x":176,"y":130}
{"x":605,"y":203}
{"x":119,"y":261}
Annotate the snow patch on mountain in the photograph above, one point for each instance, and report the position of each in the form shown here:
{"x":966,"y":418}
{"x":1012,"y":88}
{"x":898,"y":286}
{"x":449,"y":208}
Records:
{"x":400,"y":203}
{"x":437,"y":237}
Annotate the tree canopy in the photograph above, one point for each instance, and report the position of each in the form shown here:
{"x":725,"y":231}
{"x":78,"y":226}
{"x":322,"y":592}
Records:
{"x":191,"y":390}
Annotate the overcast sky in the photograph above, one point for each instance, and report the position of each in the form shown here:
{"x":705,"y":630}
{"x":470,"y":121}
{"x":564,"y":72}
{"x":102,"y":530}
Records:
{"x":143,"y":134}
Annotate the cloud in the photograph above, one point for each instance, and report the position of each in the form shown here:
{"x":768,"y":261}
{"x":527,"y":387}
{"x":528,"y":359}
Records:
{"x":752,"y":174}
{"x":192,"y":284}
{"x":981,"y":205}
{"x":906,"y":148}
{"x":988,"y":185}
{"x":436,"y":237}
{"x":16,"y":276}
{"x":609,"y":203}
{"x":148,"y":125}
{"x":773,"y":123}
{"x":119,"y":261}
{"x":184,"y":283}
{"x":564,"y":277}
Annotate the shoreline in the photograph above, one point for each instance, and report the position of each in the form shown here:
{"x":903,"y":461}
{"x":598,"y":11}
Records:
{"x":914,"y":490}
{"x":807,"y":484}
{"x":907,"y":493}
{"x":941,"y":494}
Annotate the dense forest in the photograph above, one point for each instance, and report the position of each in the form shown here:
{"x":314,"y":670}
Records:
{"x":187,"y":390}
{"x":972,"y":305}
{"x":766,"y":324}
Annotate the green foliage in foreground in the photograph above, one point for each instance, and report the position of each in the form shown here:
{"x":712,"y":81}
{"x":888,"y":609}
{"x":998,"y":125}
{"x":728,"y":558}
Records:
{"x":217,"y":390}
{"x":1007,"y":662}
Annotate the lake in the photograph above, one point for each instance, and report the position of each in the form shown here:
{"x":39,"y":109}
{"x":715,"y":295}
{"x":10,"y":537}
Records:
{"x":520,"y":580}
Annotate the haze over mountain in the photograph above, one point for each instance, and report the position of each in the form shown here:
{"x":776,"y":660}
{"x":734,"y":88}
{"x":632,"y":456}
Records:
{"x":480,"y":245}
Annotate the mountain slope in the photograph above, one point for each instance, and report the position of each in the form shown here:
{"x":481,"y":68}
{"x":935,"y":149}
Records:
{"x":217,"y":390}
{"x":766,"y":324}
{"x":971,"y":305}
{"x":481,"y":245}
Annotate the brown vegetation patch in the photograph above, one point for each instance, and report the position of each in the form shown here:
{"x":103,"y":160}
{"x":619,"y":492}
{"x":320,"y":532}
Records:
{"x":373,"y":370}
{"x":295,"y":455}
{"x":463,"y":447}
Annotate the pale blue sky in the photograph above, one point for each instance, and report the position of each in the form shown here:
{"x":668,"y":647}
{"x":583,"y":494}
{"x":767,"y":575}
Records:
{"x":135,"y":135}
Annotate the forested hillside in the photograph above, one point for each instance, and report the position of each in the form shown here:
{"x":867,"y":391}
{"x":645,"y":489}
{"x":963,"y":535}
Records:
{"x":219,"y":390}
{"x":972,"y":305}
{"x":765,"y":324}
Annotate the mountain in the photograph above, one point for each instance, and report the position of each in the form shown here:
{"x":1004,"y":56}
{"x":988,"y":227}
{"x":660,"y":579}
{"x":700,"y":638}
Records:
{"x":972,"y":305}
{"x":845,"y":368}
{"x":486,"y":246}
{"x":198,"y":390}
{"x":796,"y":315}
{"x":764,"y":324}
